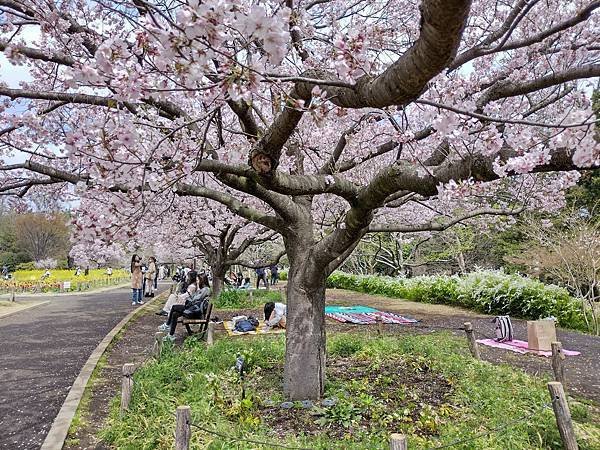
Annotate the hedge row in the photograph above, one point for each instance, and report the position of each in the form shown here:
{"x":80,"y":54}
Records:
{"x":490,"y":292}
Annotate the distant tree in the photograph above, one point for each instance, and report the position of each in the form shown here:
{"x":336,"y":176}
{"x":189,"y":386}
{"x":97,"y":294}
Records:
{"x":42,"y":236}
{"x":567,"y":252}
{"x":10,"y":253}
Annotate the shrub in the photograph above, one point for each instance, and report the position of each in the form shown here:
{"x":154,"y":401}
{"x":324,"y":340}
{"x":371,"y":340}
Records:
{"x":26,"y":266}
{"x":490,"y":292}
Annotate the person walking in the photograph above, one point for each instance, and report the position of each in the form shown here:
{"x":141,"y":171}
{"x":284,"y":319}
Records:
{"x":136,"y":280}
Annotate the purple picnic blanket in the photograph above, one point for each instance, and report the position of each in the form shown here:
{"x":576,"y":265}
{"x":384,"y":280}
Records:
{"x":521,"y":347}
{"x":370,"y":318}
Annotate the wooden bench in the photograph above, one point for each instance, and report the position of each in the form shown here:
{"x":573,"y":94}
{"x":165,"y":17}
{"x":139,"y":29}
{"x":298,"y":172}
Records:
{"x":202,"y":322}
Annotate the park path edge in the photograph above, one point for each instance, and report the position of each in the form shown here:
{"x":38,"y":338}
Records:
{"x":59,"y":430}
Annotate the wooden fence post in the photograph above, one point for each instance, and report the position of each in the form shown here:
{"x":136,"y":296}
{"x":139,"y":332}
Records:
{"x":563,"y":415}
{"x":158,"y":342}
{"x":12,"y":294}
{"x":398,"y":442}
{"x":210,"y":334}
{"x":472,"y":342}
{"x":183,"y":430}
{"x":379,"y":325}
{"x":557,"y":364}
{"x":126,"y":386}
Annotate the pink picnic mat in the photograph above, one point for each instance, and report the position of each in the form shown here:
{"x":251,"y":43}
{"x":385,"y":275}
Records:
{"x":521,"y":347}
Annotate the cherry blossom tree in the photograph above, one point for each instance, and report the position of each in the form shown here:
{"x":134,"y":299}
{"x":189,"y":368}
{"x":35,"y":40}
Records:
{"x":185,"y":228}
{"x":335,"y":118}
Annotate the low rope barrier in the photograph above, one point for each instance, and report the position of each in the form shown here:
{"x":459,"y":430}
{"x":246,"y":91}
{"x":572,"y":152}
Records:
{"x":241,"y":439}
{"x":496,"y":429}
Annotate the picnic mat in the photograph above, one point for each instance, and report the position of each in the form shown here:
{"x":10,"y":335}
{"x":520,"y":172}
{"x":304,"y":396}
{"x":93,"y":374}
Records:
{"x":521,"y":347}
{"x":349,"y":309}
{"x":229,"y":327}
{"x":363,"y":315}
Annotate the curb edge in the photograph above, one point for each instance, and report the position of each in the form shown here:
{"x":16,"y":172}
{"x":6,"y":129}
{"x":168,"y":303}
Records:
{"x":59,"y":430}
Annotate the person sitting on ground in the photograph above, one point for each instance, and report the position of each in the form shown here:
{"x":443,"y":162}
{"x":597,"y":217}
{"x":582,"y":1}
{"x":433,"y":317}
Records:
{"x":246,"y":284}
{"x":177,"y":311}
{"x":275,"y":315}
{"x":189,"y":288}
{"x":231,"y":279}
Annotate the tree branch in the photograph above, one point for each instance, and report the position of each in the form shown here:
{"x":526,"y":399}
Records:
{"x":441,"y":226}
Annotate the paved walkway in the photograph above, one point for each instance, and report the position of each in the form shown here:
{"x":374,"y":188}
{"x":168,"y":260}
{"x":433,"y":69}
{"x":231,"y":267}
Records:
{"x":41,"y":353}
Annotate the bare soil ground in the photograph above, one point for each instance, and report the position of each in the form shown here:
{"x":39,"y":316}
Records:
{"x":400,"y":386}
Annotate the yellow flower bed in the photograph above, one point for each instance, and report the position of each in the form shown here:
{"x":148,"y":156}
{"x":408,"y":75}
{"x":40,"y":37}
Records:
{"x":31,"y":280}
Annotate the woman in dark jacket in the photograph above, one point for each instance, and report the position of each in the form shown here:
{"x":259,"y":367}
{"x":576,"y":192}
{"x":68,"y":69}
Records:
{"x":177,"y":310}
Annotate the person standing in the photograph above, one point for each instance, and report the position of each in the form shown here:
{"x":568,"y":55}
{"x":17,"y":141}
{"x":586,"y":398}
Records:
{"x":274,"y":274}
{"x":136,"y":280}
{"x":261,"y":275}
{"x":150,"y":275}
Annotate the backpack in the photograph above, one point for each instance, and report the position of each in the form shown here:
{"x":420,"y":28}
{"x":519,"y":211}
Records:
{"x":504,"y":328}
{"x":197,"y":309}
{"x":245,"y":325}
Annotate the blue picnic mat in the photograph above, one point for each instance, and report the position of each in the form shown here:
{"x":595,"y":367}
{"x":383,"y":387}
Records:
{"x":349,"y":309}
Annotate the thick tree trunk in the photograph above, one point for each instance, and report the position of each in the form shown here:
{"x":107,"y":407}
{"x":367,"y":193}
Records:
{"x":304,"y":375}
{"x":218,"y":275}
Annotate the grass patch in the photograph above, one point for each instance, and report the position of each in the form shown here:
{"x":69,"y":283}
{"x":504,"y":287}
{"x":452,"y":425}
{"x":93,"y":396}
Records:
{"x":424,"y":386}
{"x":241,"y":299}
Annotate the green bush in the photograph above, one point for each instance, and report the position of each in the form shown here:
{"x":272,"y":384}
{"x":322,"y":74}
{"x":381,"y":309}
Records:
{"x":490,"y":292}
{"x":26,"y":266}
{"x":283,"y":275}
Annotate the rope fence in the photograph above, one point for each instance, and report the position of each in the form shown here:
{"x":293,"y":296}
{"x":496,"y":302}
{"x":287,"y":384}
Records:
{"x":397,"y":441}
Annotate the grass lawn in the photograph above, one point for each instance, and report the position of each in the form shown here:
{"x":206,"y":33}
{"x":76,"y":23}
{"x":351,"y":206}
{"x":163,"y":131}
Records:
{"x":425,"y":386}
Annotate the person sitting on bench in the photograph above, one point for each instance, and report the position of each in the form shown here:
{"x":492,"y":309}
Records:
{"x":177,"y":311}
{"x":189,"y":288}
{"x":275,"y":315}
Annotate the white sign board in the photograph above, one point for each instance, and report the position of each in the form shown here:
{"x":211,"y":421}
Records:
{"x":66,"y":285}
